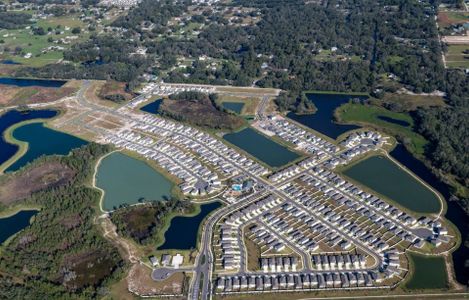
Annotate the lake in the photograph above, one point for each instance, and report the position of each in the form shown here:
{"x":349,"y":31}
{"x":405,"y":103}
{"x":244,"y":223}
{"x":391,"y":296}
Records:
{"x":13,"y":117}
{"x":25,"y":82}
{"x":43,"y":141}
{"x":429,"y":273}
{"x":152,"y":107}
{"x":323,"y":120}
{"x":182,"y":232}
{"x":126,"y":180}
{"x":13,"y":224}
{"x":388,"y":179}
{"x":236,"y":107}
{"x":259,"y":146}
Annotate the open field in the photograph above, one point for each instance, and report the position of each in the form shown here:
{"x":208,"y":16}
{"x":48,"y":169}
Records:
{"x":42,"y":49}
{"x":140,"y":282}
{"x":448,"y":18}
{"x":412,"y":102}
{"x":457,"y":56}
{"x":40,"y":177}
{"x":15,"y":95}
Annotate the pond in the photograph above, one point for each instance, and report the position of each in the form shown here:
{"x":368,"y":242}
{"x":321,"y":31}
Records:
{"x":15,"y":223}
{"x":454,"y":212}
{"x":126,"y":180}
{"x":385,"y":177}
{"x":9,"y":62}
{"x":259,"y":146}
{"x":43,"y":141}
{"x":13,"y":117}
{"x":394,"y":121}
{"x":152,"y":107}
{"x":429,"y":273}
{"x":323,"y":120}
{"x":25,"y":82}
{"x":182,"y":232}
{"x":236,"y":107}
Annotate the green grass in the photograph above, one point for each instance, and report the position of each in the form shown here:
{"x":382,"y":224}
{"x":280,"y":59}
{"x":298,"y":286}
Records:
{"x":367,"y":115}
{"x":455,"y":57}
{"x":35,"y":44}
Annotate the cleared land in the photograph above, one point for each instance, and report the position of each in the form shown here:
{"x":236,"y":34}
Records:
{"x":139,"y":281}
{"x":43,"y":176}
{"x":413,"y":102}
{"x":457,"y":56}
{"x":448,"y":18}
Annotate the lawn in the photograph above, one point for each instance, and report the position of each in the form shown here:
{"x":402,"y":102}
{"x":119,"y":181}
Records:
{"x":457,"y":56}
{"x":368,"y":115}
{"x":413,"y":102}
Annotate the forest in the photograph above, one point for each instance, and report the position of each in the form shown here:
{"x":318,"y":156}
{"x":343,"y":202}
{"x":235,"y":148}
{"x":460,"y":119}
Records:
{"x":62,"y":254}
{"x":142,"y":223}
{"x":14,"y":20}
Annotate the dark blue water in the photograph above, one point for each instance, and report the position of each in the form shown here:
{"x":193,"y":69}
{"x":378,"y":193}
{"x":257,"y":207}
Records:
{"x":23,"y":82}
{"x":12,"y":117}
{"x":152,"y":107}
{"x":9,"y":62}
{"x":323,"y":120}
{"x":43,"y":141}
{"x":261,"y":147}
{"x":11,"y":225}
{"x":182,"y":233}
{"x":394,"y":121}
{"x":454,"y":213}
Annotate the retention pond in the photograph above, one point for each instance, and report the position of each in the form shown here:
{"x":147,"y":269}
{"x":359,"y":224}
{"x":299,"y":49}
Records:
{"x":126,"y":180}
{"x":182,"y":232}
{"x":262,"y":148}
{"x":387,"y":178}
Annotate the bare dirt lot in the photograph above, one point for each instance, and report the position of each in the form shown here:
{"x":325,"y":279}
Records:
{"x":46,"y":175}
{"x":140,"y":282}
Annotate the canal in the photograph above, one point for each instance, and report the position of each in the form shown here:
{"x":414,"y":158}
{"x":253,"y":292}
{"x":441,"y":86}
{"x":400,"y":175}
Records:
{"x":126,"y":180}
{"x":262,"y":148}
{"x":385,"y":177}
{"x":15,"y":223}
{"x":323,"y":120}
{"x":182,"y":232}
{"x":42,"y":141}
